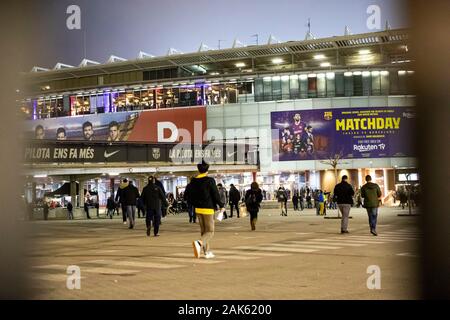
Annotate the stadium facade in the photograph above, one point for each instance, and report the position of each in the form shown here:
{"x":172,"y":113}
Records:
{"x":306,"y":111}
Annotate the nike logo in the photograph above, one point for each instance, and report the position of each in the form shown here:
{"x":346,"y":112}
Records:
{"x":107,"y":155}
{"x":231,"y":154}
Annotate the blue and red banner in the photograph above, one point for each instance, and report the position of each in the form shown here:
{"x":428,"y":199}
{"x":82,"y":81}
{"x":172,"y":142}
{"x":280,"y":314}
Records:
{"x":351,"y":132}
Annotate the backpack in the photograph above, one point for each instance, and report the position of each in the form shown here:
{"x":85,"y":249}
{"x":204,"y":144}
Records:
{"x":251,"y":202}
{"x":281,"y":195}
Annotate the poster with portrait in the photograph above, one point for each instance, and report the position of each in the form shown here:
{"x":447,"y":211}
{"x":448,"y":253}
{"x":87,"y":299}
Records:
{"x":353,"y":133}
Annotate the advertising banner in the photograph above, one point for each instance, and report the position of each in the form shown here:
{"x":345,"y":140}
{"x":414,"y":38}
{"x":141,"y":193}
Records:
{"x":353,"y":133}
{"x":150,"y":126}
{"x":55,"y":152}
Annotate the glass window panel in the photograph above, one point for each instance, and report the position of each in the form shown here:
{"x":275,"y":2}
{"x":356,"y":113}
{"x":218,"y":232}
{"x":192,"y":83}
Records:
{"x":303,"y":87}
{"x":348,"y":82}
{"x":312,"y":87}
{"x":276,"y":88}
{"x":259,"y":90}
{"x":331,"y":87}
{"x":321,"y":85}
{"x":285,"y":95}
{"x":357,"y":85}
{"x":294,"y":88}
{"x":267,"y":89}
{"x":384,"y":84}
{"x":367,"y":84}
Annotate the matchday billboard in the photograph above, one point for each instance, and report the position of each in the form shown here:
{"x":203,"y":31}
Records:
{"x":352,"y":132}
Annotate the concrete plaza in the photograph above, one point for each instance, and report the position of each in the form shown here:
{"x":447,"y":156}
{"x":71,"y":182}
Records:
{"x":301,"y":256}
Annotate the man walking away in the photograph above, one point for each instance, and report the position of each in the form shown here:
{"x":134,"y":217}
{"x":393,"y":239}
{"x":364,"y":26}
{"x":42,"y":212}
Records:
{"x":223,"y":197}
{"x":235,"y":196}
{"x":152,"y":198}
{"x":282,"y":200}
{"x":187,"y":198}
{"x":110,"y":206}
{"x":205,"y":199}
{"x":321,"y":199}
{"x":121,"y":199}
{"x":70,"y":210}
{"x":130,"y":194}
{"x":86,"y":209}
{"x":295,"y":201}
{"x":253,"y":199}
{"x":343,"y":195}
{"x":371,"y":194}
{"x":140,"y":207}
{"x":161,"y":186}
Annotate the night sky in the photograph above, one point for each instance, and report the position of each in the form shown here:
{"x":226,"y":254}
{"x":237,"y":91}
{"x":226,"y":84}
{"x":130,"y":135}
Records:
{"x":124,"y":28}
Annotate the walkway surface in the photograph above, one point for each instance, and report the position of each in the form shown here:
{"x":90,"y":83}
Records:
{"x":301,"y":256}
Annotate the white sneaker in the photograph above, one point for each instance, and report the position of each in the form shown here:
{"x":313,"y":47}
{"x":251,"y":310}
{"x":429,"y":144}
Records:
{"x":125,"y":223}
{"x":197,"y":245}
{"x":209,"y":255}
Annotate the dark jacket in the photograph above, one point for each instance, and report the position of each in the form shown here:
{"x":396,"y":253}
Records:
{"x":253,"y":206}
{"x":159,"y":184}
{"x":371,"y":192}
{"x":343,"y":193}
{"x":282,"y":195}
{"x":110,"y":204}
{"x":204,"y":195}
{"x":153,"y":197}
{"x":69,"y":206}
{"x":119,"y":195}
{"x":187,"y":194}
{"x":130,"y":195}
{"x":234,"y":194}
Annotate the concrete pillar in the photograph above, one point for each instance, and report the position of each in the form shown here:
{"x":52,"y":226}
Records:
{"x":33,"y":192}
{"x":81,"y":193}
{"x":73,"y":191}
{"x":385,"y":182}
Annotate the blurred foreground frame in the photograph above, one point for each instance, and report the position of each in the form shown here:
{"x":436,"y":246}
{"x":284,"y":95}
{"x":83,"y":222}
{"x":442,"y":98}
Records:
{"x":431,"y":27}
{"x":431,"y":47}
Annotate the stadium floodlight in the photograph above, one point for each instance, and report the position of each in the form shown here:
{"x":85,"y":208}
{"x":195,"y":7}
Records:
{"x":40,"y":176}
{"x":240,"y":65}
{"x":357,"y":73}
{"x":319,"y":56}
{"x":237,"y":44}
{"x":364,"y":52}
{"x":60,"y":66}
{"x":348,"y":74}
{"x":143,"y":55}
{"x":114,"y":59}
{"x":325,"y":64}
{"x":39,"y":69}
{"x":87,"y":62}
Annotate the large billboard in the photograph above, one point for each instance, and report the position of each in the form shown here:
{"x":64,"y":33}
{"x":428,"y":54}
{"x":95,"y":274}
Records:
{"x":353,"y":133}
{"x":153,"y":126}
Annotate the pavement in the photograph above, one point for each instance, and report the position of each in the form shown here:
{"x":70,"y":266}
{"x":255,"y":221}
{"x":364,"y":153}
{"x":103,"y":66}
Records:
{"x":301,"y":256}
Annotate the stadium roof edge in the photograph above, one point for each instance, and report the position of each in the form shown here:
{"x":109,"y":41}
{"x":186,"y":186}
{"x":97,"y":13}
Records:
{"x":228,"y":54}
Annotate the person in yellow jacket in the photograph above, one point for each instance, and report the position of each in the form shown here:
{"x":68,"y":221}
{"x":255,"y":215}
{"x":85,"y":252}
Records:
{"x":205,"y":198}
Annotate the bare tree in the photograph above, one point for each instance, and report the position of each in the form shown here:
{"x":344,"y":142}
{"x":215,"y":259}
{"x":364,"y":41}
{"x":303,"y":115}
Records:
{"x":334,"y":161}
